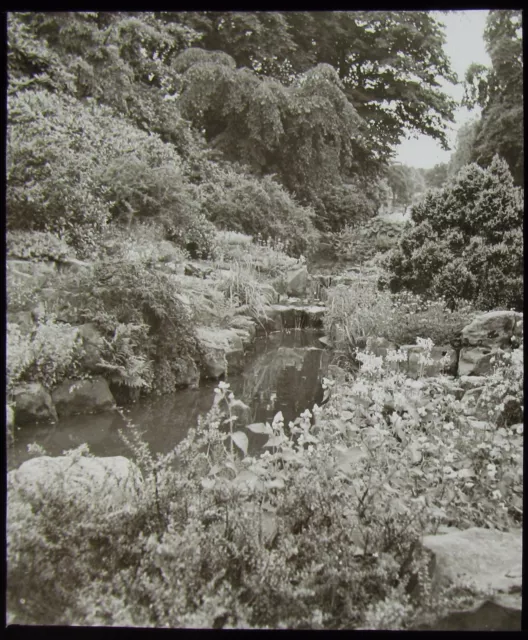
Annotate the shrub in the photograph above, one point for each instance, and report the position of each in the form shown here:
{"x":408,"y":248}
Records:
{"x":74,"y":165}
{"x":322,"y":530}
{"x":466,"y":242}
{"x":129,"y":293}
{"x":239,"y":202}
{"x":37,"y":245}
{"x":50,"y":354}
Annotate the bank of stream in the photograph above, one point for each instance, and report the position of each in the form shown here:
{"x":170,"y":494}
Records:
{"x":282,"y":372}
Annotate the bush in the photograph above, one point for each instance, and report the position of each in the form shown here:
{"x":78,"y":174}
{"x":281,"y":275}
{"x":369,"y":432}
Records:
{"x":73,"y":166}
{"x":158,"y":333}
{"x":37,"y":245}
{"x":321,"y":531}
{"x":466,"y":242}
{"x":236,"y":201}
{"x":50,"y":354}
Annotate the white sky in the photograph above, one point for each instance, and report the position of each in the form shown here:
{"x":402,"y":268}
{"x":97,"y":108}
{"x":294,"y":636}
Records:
{"x":465,"y":45}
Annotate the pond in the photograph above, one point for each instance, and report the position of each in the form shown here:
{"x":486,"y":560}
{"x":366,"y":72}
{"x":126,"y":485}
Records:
{"x":283,"y":372}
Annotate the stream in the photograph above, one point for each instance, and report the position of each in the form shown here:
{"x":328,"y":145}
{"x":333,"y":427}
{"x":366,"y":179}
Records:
{"x":283,"y":372}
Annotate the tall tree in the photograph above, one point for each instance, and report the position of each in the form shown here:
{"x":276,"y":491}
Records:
{"x":464,"y":147}
{"x":498,"y":91}
{"x":391,"y":63}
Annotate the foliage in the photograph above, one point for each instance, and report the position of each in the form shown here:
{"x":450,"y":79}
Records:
{"x":499,"y":93}
{"x":239,"y":202}
{"x":466,"y":241}
{"x":405,"y":182}
{"x":222,"y":537}
{"x":389,"y":62}
{"x":465,"y":143}
{"x":433,"y":319}
{"x":159,"y":335}
{"x":36,"y":245}
{"x":48,"y":355}
{"x":436,"y":177}
{"x":307,"y":134}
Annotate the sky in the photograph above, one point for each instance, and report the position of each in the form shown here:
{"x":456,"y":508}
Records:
{"x":465,"y":45}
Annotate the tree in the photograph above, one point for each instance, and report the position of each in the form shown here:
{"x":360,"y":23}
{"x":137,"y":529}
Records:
{"x":405,"y":183}
{"x":464,"y":147}
{"x":466,"y":242}
{"x":308,"y":133}
{"x":436,"y":177}
{"x":390,"y":63}
{"x":498,"y":91}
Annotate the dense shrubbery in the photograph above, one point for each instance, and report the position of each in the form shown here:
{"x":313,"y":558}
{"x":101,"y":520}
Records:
{"x":37,"y":245}
{"x":239,"y":202}
{"x":321,"y":531}
{"x":51,"y":353}
{"x":149,"y":328}
{"x":359,"y":310}
{"x":466,"y":242}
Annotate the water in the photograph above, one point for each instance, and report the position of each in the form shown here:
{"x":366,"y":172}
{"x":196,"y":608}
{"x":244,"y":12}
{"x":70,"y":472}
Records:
{"x":283,"y":372}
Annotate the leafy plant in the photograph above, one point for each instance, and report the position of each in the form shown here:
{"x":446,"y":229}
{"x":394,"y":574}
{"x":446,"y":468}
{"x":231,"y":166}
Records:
{"x":466,"y":242}
{"x":37,"y":245}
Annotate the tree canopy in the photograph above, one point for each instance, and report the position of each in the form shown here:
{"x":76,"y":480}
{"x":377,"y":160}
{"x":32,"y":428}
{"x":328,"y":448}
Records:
{"x":498,"y":91}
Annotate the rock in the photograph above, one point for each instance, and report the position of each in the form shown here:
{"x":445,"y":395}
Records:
{"x":491,"y":330}
{"x":243,"y":413}
{"x":379,"y":346}
{"x":33,"y":404}
{"x":415,"y":368}
{"x":26,"y":271}
{"x":197,"y":270}
{"x":475,"y":361}
{"x":188,"y":373}
{"x":223,"y":350}
{"x":297,"y":282}
{"x":114,"y":481}
{"x":75,"y":266}
{"x":76,"y":397}
{"x":470,"y":404}
{"x":24,"y":319}
{"x":490,"y":561}
{"x":93,"y":345}
{"x":470,"y":382}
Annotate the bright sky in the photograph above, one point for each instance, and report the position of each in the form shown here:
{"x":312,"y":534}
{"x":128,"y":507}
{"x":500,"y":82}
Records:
{"x":465,"y":44}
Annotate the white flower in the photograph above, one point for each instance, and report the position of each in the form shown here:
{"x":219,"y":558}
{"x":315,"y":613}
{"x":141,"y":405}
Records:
{"x":520,"y":429}
{"x":316,"y":409}
{"x":306,"y":415}
{"x":279,"y":418}
{"x":223,"y":385}
{"x":496,"y":494}
{"x":449,"y":426}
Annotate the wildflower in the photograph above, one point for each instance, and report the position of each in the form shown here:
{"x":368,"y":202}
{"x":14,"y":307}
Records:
{"x":316,"y":410}
{"x":519,"y":429}
{"x":306,"y":415}
{"x":496,"y":494}
{"x":326,"y":384}
{"x":223,"y":385}
{"x":492,"y":470}
{"x":449,"y":457}
{"x":449,"y":426}
{"x":279,"y":418}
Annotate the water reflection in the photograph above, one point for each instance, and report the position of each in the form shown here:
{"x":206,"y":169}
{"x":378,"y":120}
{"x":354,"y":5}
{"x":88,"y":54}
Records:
{"x":283,"y":373}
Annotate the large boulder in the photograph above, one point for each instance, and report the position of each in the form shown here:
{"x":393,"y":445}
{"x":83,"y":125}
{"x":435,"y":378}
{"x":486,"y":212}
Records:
{"x":115,"y":482}
{"x":297,"y":282}
{"x":33,"y":404}
{"x":379,"y":346}
{"x":223,"y":350}
{"x":492,"y":330}
{"x":476,"y":361}
{"x":488,"y":560}
{"x":77,"y":397}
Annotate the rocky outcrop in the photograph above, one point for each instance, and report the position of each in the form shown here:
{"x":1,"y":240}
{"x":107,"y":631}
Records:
{"x":77,"y":397}
{"x":297,"y":282}
{"x":188,"y":373}
{"x":488,"y":560}
{"x":486,"y":335}
{"x":114,"y":482}
{"x":223,"y":349}
{"x":33,"y":404}
{"x":283,"y":316}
